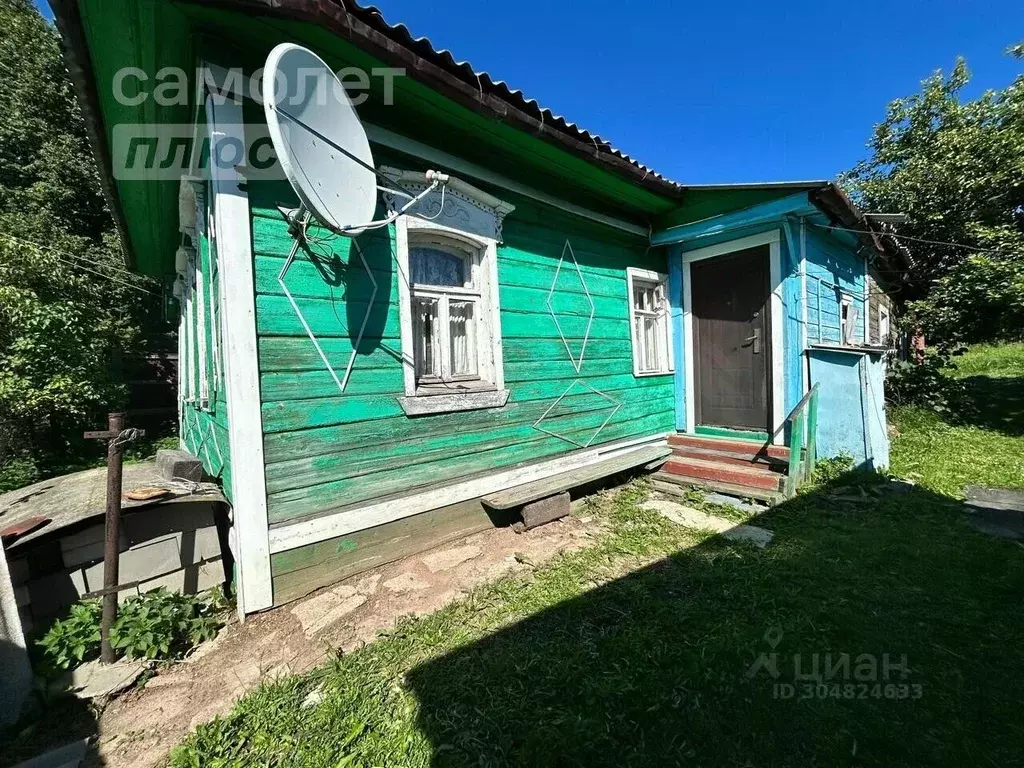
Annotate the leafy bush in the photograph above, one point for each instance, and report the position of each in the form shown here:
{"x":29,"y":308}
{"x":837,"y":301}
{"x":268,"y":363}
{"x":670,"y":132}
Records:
{"x":831,"y":469}
{"x":981,"y":299}
{"x":162,"y":625}
{"x":73,"y":640}
{"x":927,"y":385}
{"x":17,"y":473}
{"x":71,"y":316}
{"x":155,"y":625}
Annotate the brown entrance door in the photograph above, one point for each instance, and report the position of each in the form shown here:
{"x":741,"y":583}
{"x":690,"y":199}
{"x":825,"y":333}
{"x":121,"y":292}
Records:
{"x":729,"y":296}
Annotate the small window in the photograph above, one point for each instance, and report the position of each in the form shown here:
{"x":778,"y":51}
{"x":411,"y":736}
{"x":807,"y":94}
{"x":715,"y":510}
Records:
{"x":883,"y":326}
{"x":651,"y":331}
{"x":447,"y":257}
{"x":847,"y":321}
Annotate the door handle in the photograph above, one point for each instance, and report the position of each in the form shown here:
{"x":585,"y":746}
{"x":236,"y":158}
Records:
{"x":756,"y":338}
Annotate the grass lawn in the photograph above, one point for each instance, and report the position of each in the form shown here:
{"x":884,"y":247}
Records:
{"x":638,"y":651}
{"x":984,"y":442}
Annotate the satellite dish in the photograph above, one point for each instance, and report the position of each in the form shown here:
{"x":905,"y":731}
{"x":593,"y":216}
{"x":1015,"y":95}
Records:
{"x":323,"y":150}
{"x":319,"y":139}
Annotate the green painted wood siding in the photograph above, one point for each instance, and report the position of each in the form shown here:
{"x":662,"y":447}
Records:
{"x":325,"y":450}
{"x":204,"y":430}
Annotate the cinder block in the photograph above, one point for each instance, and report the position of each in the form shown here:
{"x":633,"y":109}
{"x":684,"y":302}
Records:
{"x":177,"y":464}
{"x":19,"y":570}
{"x":156,"y":522}
{"x":190,"y":580}
{"x":86,"y":546}
{"x":544,"y":511}
{"x":50,"y":594}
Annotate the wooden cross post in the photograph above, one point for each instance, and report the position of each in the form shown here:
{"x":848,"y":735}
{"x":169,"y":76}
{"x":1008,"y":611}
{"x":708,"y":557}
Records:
{"x":116,"y":437}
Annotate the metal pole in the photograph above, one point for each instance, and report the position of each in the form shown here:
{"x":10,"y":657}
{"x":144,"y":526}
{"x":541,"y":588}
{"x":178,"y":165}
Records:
{"x":111,"y":548}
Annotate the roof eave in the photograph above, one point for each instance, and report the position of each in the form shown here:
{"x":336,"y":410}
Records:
{"x":840,"y":209}
{"x":76,"y":56}
{"x":365,"y":27}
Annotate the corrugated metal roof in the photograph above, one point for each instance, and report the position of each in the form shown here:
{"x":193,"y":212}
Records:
{"x":423,"y":47}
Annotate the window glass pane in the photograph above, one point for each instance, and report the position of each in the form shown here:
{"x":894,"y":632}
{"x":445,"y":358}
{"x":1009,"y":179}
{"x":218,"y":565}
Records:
{"x":643,"y":297}
{"x":650,"y":344}
{"x":425,"y":332}
{"x":463,"y":338}
{"x":641,"y":350}
{"x":433,"y":266}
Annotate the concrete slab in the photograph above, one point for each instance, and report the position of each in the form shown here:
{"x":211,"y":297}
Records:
{"x":695,"y":518}
{"x":406,"y":582}
{"x":731,"y":501}
{"x":93,"y":680}
{"x":447,"y":559}
{"x":69,"y":499}
{"x":69,"y":756}
{"x":995,"y":512}
{"x":323,"y":610}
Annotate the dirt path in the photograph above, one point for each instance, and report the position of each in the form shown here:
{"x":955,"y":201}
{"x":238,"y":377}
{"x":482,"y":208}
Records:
{"x":140,"y":729}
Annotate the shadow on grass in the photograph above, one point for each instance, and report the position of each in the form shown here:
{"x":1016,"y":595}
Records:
{"x":993,"y":402}
{"x":658,"y":667}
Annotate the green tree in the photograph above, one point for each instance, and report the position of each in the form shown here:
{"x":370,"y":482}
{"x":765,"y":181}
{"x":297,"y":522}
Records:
{"x":68,"y":307}
{"x":956,"y":167}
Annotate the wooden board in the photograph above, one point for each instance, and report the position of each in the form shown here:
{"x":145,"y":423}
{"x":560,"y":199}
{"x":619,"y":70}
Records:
{"x":327,"y":450}
{"x":524,"y":494}
{"x":298,"y":572}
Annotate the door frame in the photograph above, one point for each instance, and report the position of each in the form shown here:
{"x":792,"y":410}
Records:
{"x":776,"y":385}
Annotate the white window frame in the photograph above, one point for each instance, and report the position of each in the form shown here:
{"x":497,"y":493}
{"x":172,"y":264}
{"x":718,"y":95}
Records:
{"x":488,"y":389}
{"x":470,"y":252}
{"x":847,"y":319}
{"x":666,"y":352}
{"x":884,"y":325}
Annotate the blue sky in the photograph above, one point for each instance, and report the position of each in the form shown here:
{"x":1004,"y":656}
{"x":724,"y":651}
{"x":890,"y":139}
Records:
{"x":728,"y":91}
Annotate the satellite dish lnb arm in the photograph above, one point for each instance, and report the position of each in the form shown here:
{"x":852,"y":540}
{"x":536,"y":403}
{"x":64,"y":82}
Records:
{"x":436,"y":179}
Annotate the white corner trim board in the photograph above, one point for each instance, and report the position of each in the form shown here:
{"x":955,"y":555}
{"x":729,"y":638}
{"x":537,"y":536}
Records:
{"x":805,"y":371}
{"x":290,"y":536}
{"x":245,"y":433}
{"x":771,"y":239}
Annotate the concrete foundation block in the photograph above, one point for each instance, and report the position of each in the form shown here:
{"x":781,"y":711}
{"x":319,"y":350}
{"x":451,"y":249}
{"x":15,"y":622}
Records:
{"x":544,"y":511}
{"x":177,"y":464}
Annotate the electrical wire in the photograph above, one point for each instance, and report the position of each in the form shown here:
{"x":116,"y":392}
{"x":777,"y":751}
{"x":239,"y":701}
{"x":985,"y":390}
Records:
{"x":68,"y":259}
{"x":915,"y":239}
{"x":62,"y":254}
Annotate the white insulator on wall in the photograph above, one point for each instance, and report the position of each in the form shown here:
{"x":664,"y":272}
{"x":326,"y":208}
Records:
{"x":182,"y":256}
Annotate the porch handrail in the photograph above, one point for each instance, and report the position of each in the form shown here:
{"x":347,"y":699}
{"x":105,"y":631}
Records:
{"x":802,"y":443}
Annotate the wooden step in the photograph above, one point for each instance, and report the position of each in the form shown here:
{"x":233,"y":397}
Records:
{"x":761,"y":461}
{"x":677,"y":486}
{"x":703,"y":469}
{"x":747,"y":447}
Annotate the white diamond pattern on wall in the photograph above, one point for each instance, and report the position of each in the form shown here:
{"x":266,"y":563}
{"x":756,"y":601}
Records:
{"x":343,"y":382}
{"x":577,"y":362}
{"x":613,"y":404}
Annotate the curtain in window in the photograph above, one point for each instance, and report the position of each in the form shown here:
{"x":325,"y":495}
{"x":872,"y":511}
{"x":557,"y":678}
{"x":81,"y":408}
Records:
{"x":463,"y":341}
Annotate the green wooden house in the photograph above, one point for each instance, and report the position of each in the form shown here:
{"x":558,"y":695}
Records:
{"x":563,"y":312}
